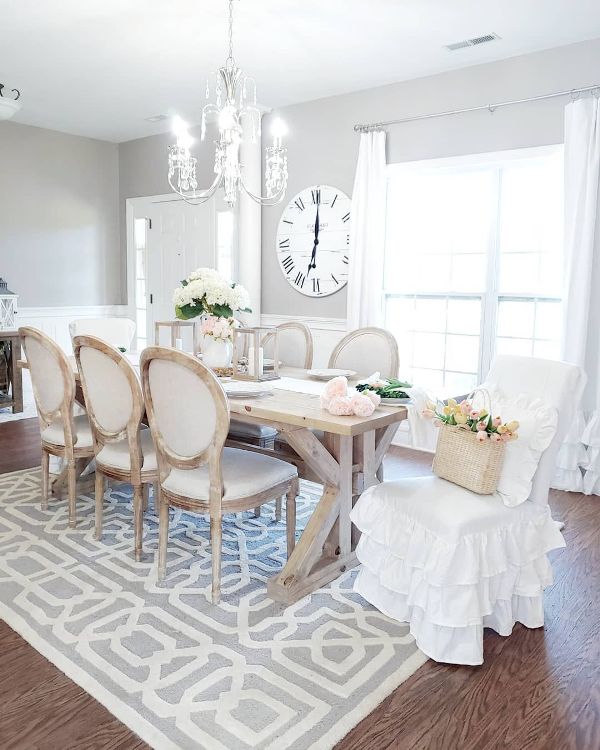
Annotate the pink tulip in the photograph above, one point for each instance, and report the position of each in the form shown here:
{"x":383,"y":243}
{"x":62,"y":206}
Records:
{"x":428,"y":413}
{"x":481,"y":436}
{"x":465,"y":408}
{"x":481,"y":425}
{"x":494,"y":437}
{"x":506,"y":436}
{"x":497,"y":421}
{"x":474,"y":414}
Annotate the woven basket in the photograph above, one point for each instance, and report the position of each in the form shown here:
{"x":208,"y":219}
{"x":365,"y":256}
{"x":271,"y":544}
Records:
{"x":464,"y":460}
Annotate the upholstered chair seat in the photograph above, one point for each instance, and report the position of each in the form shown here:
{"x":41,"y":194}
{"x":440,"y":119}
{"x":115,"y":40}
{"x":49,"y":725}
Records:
{"x":118,"y":455}
{"x":54,"y":434}
{"x":244,"y":474}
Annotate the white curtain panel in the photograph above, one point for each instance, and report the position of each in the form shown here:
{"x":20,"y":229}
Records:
{"x":367,"y":233}
{"x":579,"y":457}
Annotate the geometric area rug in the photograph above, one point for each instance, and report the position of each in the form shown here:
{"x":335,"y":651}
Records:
{"x":183,"y":674}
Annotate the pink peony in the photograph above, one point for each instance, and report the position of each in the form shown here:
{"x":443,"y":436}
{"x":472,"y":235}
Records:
{"x":361,"y":405}
{"x":337,"y":387}
{"x":340,"y":406}
{"x":481,"y":436}
{"x":208,"y":324}
{"x":375,"y":397}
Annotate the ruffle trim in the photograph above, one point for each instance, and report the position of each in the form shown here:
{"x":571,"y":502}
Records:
{"x":578,"y":462}
{"x":451,"y":645}
{"x":462,"y":562}
{"x":457,"y":605}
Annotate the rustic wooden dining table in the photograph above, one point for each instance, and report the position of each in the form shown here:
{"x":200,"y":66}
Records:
{"x":344,"y":454}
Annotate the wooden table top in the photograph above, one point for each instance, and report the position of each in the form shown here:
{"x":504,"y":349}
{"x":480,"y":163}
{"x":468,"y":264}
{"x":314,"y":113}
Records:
{"x":286,"y":407}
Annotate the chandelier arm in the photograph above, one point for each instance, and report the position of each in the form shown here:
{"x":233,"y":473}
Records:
{"x":270,"y":200}
{"x":201,"y":197}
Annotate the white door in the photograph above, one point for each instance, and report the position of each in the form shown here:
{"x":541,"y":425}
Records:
{"x":167,"y":239}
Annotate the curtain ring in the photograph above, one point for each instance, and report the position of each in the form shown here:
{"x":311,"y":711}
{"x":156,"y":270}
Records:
{"x":575,"y":94}
{"x":491,"y":109}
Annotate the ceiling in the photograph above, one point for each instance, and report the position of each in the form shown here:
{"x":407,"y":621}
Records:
{"x":100,"y":67}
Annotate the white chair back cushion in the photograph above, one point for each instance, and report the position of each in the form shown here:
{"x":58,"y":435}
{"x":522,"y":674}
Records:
{"x":366,"y":352}
{"x":46,"y":375}
{"x":118,"y":332}
{"x":184,"y":409}
{"x":557,"y":384}
{"x":108,"y":390}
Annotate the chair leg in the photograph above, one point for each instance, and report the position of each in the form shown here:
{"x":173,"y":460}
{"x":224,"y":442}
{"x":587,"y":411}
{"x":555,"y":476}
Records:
{"x":278,"y":509}
{"x":216,"y":536}
{"x":162,"y":503}
{"x":99,"y":487}
{"x":138,"y":520}
{"x":72,"y":483}
{"x":290,"y":518}
{"x":257,"y":512}
{"x":45,"y":479}
{"x":155,"y":496}
{"x":146,"y":493}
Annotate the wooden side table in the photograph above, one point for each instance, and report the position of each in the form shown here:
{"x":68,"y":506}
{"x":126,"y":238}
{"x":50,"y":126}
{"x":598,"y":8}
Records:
{"x":175,"y":327}
{"x":13,"y":395}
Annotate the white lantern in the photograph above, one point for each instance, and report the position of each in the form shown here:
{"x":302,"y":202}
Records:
{"x":8,"y":307}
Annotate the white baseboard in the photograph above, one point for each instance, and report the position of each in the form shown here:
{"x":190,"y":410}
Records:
{"x":55,"y":320}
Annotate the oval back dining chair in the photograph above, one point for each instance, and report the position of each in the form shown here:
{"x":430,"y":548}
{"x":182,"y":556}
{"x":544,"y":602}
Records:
{"x":115,"y":405}
{"x":295,"y":345}
{"x":367,"y":350}
{"x":118,"y":332}
{"x":188,"y":413}
{"x":63,"y":434}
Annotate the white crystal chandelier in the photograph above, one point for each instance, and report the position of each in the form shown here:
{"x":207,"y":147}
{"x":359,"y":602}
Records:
{"x":231,"y":100}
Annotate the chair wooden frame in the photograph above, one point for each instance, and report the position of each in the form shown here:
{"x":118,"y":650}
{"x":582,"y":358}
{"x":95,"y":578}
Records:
{"x":304,"y":330}
{"x":137,"y":476}
{"x":371,"y":331}
{"x":216,"y":505}
{"x":76,"y":458}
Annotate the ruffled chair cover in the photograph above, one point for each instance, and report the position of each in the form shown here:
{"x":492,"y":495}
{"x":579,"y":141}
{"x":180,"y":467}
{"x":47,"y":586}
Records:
{"x":450,"y":562}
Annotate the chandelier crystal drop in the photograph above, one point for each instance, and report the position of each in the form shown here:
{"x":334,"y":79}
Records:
{"x":231,"y":101}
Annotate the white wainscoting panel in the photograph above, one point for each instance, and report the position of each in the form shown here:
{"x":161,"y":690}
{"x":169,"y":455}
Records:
{"x":55,"y":320}
{"x":326,"y":333}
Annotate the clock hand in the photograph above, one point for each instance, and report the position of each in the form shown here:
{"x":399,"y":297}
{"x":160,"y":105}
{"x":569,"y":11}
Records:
{"x":313,"y":257}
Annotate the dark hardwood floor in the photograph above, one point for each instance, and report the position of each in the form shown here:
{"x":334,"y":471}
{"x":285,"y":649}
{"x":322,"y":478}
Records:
{"x":537,"y":690}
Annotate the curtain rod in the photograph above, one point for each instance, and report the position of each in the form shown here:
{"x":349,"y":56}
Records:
{"x":573,"y":93}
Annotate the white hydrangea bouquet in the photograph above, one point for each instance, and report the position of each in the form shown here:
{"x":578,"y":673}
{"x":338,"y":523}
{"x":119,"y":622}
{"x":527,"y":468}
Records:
{"x":207,"y":292}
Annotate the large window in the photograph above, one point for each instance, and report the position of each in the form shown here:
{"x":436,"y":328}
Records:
{"x":474,"y":263}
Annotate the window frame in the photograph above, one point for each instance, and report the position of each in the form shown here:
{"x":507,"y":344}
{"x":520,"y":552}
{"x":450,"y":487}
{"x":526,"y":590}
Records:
{"x":491,"y":296}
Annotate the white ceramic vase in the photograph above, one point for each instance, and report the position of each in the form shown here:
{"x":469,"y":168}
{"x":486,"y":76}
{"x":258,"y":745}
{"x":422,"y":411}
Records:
{"x":216,"y":352}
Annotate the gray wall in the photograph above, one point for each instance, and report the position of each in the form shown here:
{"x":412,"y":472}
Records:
{"x":323,"y":146}
{"x":59,"y":227}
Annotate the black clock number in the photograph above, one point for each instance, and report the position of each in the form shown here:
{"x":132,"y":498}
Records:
{"x":315,"y":286}
{"x":300,"y":204}
{"x":346,"y":217}
{"x":284,"y":243}
{"x":288,"y":264}
{"x":300,"y":279}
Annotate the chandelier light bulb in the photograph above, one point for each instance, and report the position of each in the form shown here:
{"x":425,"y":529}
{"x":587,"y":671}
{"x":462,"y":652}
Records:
{"x":278,"y":131}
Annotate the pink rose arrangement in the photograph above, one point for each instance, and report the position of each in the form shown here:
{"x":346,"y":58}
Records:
{"x":337,"y":400}
{"x":219,"y":328}
{"x":466,"y":417}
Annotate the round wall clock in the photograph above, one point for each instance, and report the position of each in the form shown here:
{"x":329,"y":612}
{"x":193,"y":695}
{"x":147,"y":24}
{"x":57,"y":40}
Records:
{"x":313,"y":241}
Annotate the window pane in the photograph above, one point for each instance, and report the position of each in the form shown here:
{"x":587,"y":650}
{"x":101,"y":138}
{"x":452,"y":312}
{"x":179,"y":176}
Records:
{"x":515,"y":318}
{"x":459,"y":384}
{"x":521,"y":347}
{"x":429,"y":350}
{"x":464,"y":316}
{"x":468,"y":273}
{"x":430,"y":315}
{"x":546,"y":349}
{"x":430,"y":380}
{"x":548,"y":320}
{"x":519,"y":272}
{"x":141,"y":322}
{"x":462,"y":353}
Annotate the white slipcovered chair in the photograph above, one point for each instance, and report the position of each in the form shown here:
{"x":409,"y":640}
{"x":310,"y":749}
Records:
{"x":117,"y":332}
{"x":123,"y":446}
{"x":451,"y":562}
{"x":367,"y":350}
{"x":188,"y":413}
{"x":64,"y":435}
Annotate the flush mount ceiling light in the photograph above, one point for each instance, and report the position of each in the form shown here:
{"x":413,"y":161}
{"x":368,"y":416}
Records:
{"x":9,"y":102}
{"x":231,"y":100}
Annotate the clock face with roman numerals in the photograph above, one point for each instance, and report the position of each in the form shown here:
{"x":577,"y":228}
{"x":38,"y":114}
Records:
{"x":313,"y":241}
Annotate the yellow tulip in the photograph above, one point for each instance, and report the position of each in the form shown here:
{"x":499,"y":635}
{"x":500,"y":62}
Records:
{"x":460,"y":418}
{"x":452,"y":403}
{"x":512,"y":426}
{"x":431,"y":405}
{"x":447,"y":411}
{"x":483,"y":413}
{"x":502,"y":429}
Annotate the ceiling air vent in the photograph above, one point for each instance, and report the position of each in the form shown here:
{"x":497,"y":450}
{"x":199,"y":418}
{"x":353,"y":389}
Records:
{"x":472,"y":42}
{"x":156,"y":118}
